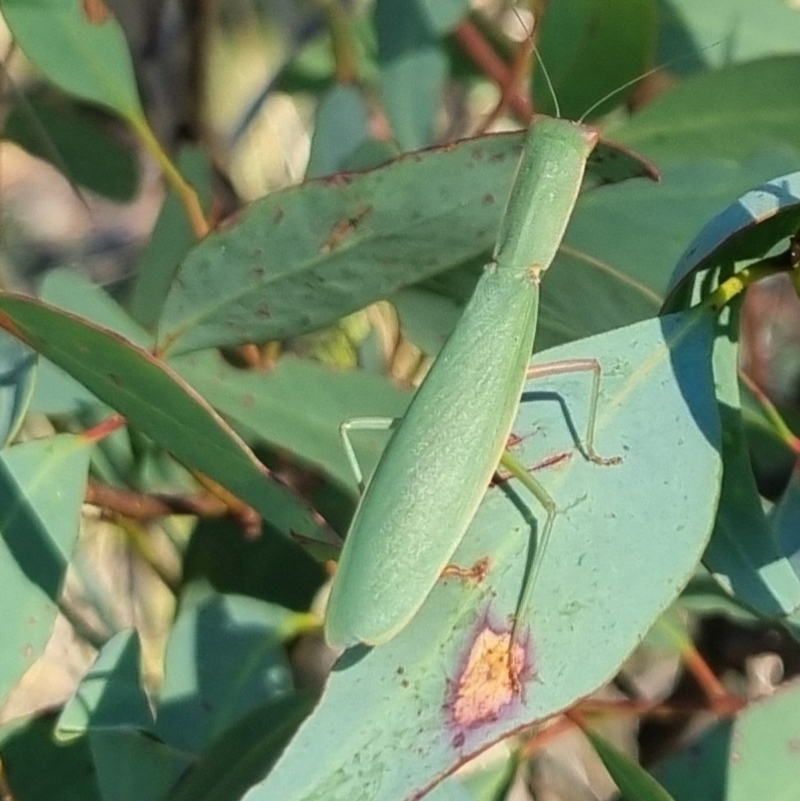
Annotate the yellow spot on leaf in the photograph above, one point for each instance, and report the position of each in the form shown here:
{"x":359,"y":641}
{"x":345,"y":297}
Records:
{"x":490,"y":679}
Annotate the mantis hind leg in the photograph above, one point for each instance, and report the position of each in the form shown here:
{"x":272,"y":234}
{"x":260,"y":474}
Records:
{"x":519,"y":471}
{"x":362,"y":424}
{"x":586,"y":445}
{"x":523,"y":475}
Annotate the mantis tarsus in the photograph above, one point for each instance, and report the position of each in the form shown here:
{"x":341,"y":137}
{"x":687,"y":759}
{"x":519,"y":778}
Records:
{"x":436,"y":468}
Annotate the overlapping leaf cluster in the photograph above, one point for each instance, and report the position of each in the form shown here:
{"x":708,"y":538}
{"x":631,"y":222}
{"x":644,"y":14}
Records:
{"x":628,"y":538}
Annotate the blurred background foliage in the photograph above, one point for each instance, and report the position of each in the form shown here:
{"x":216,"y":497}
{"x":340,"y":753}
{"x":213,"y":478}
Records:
{"x":253,"y":96}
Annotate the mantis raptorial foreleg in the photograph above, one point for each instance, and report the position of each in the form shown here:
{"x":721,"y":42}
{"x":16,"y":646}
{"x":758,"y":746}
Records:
{"x":362,"y":424}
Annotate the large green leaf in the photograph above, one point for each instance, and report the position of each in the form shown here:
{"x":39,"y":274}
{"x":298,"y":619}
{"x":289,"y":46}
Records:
{"x":300,"y":259}
{"x":86,"y":57}
{"x":417,"y":715}
{"x":42,"y":485}
{"x":158,"y":402}
{"x":702,"y":115}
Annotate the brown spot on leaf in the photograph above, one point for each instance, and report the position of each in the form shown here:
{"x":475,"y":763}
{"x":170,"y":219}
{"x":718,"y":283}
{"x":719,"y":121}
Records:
{"x":338,"y":179}
{"x":513,"y":440}
{"x":476,"y":573}
{"x":490,"y":679}
{"x":554,"y":460}
{"x":96,"y":11}
{"x":343,"y":228}
{"x":560,"y":459}
{"x":9,"y":325}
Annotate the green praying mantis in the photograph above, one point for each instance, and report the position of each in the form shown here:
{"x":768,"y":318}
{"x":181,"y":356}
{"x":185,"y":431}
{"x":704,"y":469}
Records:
{"x":438,"y":464}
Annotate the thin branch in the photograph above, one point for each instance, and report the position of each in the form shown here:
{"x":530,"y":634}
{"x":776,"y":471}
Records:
{"x":474,"y":44}
{"x":139,"y":506}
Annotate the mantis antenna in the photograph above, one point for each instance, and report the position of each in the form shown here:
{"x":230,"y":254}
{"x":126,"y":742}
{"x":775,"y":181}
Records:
{"x":550,"y":87}
{"x":632,"y":81}
{"x":540,"y":62}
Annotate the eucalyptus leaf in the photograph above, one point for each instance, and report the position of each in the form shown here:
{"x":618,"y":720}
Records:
{"x":299,"y":259}
{"x":130,"y":378}
{"x":86,"y":56}
{"x":413,"y":69}
{"x":419,"y":716}
{"x":735,"y":760}
{"x":110,"y":695}
{"x":702,"y":114}
{"x":76,"y":142}
{"x":224,"y":659}
{"x":17,"y":380}
{"x":298,"y":405}
{"x":42,"y":485}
